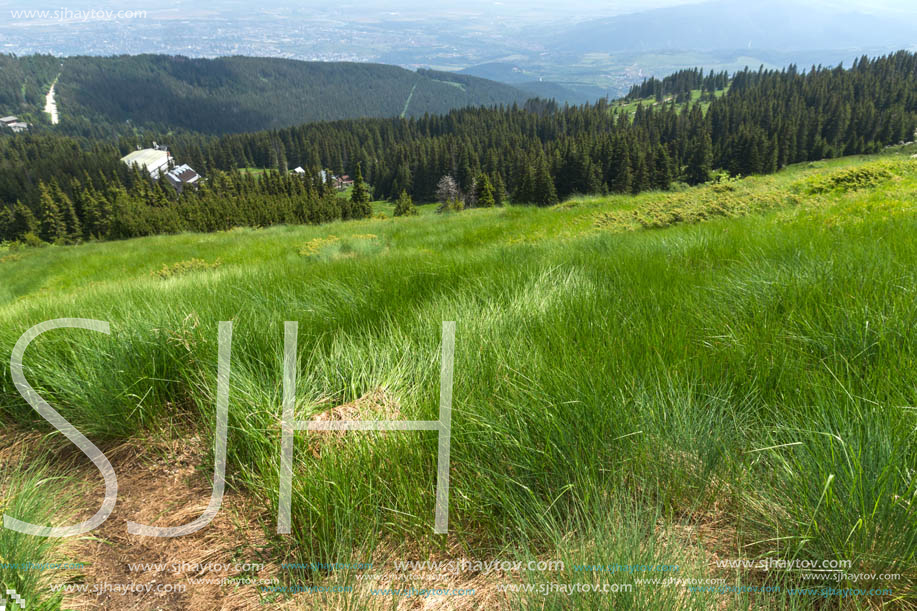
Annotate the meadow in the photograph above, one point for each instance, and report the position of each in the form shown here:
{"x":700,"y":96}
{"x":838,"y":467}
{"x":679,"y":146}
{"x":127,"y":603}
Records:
{"x":721,"y":373}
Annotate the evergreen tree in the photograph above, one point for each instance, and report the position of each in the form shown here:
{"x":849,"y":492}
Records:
{"x":93,"y":216}
{"x":24,"y":222}
{"x":6,"y":223}
{"x":525,"y":190}
{"x":700,"y":160}
{"x":484,"y":192}
{"x":499,"y":190}
{"x":52,"y":225}
{"x":67,"y":210}
{"x":359,"y":197}
{"x":544,"y":193}
{"x":402,"y":181}
{"x":662,"y":169}
{"x":405,"y":205}
{"x":74,"y":227}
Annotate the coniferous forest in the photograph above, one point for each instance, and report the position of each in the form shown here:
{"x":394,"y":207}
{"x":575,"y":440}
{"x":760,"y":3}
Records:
{"x":107,"y":96}
{"x":55,"y":187}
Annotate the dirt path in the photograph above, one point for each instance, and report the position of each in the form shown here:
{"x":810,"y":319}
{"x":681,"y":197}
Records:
{"x":164,"y":484}
{"x":51,"y":104}
{"x":225,"y":565}
{"x":408,"y":101}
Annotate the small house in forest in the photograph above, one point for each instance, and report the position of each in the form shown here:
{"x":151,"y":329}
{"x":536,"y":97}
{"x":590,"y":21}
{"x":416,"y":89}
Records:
{"x":14,"y":123}
{"x":183,"y":176}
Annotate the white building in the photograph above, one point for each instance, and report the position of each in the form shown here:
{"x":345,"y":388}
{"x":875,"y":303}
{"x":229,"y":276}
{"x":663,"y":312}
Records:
{"x":14,"y":123}
{"x":154,"y":160}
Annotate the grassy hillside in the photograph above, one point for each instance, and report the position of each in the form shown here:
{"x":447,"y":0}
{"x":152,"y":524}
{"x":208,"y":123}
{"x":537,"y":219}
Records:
{"x":724,"y":373}
{"x":234,"y":94}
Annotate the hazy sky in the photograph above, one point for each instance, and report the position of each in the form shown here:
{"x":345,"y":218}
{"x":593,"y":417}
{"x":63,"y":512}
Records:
{"x":569,"y":9}
{"x":528,"y":10}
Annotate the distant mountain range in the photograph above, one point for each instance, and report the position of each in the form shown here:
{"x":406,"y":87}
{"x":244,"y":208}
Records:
{"x":733,"y":24}
{"x":603,"y":57}
{"x":234,"y":94}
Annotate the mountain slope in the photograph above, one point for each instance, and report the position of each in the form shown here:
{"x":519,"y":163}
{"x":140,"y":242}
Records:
{"x":24,"y":82}
{"x":727,"y":351}
{"x":234,"y":94}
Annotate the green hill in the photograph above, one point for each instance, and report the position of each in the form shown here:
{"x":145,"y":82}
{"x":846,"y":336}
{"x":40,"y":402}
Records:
{"x":723,"y":373}
{"x":235,"y":94}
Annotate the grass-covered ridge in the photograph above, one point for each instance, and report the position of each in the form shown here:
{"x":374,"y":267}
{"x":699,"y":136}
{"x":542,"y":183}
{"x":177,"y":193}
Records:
{"x":741,"y":386}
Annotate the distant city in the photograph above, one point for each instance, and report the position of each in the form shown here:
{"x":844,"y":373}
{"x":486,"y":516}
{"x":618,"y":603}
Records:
{"x":581,"y":45}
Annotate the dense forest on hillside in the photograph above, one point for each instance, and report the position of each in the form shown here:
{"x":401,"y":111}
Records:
{"x":537,"y":153}
{"x":765,"y":121}
{"x":70,"y":195}
{"x":102,"y":96}
{"x":24,"y":82}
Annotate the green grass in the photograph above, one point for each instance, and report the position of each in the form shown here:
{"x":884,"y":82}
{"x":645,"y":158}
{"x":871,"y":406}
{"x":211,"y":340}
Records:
{"x":30,"y":493}
{"x":727,"y":370}
{"x":630,"y":107}
{"x":256,"y":172}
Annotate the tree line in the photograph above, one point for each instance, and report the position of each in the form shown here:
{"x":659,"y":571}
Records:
{"x":537,"y":153}
{"x":764,"y":121}
{"x":127,"y":204}
{"x":680,"y":83}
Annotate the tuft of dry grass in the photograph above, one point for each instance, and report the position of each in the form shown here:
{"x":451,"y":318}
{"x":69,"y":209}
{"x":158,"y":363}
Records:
{"x":377,"y":404}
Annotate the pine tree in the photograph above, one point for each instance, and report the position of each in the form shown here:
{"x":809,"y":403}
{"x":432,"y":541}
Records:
{"x":92,"y":216}
{"x":405,"y":205}
{"x":74,"y":227}
{"x":52,"y":226}
{"x":359,"y":197}
{"x":24,"y":221}
{"x":642,"y":180}
{"x":464,"y":174}
{"x":525,"y":188}
{"x":402,"y":180}
{"x":545,"y":193}
{"x":621,"y":175}
{"x":662,"y":169}
{"x":6,"y":223}
{"x":67,"y":210}
{"x":499,"y":190}
{"x":700,"y":159}
{"x":484,"y":192}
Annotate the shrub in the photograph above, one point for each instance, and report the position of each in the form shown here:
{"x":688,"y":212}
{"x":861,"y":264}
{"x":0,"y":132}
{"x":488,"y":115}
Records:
{"x":848,"y":179}
{"x":405,"y":205}
{"x":184,"y":267}
{"x":33,"y":241}
{"x":728,"y":198}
